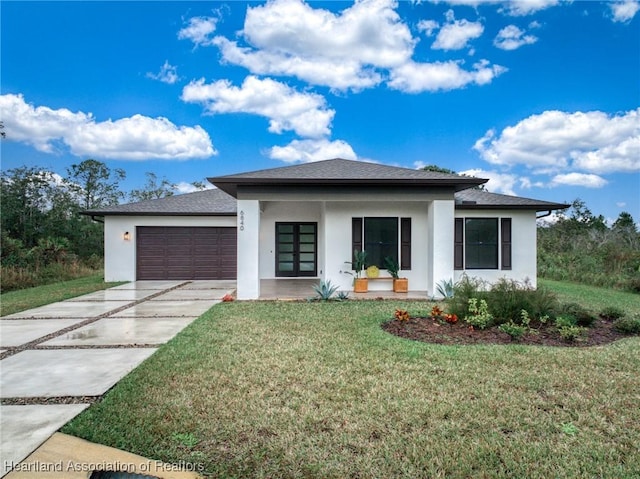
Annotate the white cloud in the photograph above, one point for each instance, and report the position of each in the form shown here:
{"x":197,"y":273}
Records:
{"x":199,"y":30}
{"x":312,"y":150}
{"x":339,"y":50}
{"x":509,"y":7}
{"x":527,"y":7}
{"x":286,"y":108}
{"x":428,"y":26}
{"x":498,"y":182}
{"x":418,"y":77}
{"x":624,"y":11}
{"x":133,"y":138}
{"x":553,"y":140}
{"x":511,"y":38}
{"x":167,"y":74}
{"x":455,"y":34}
{"x":184,"y":187}
{"x":578,"y":179}
{"x":621,"y":204}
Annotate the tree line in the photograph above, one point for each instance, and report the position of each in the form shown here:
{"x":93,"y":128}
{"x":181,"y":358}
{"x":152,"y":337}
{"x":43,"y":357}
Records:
{"x":42,"y":231}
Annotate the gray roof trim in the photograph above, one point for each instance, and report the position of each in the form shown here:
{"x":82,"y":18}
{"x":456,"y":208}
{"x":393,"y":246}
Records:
{"x":343,"y":173}
{"x":475,"y":199}
{"x":212,"y":202}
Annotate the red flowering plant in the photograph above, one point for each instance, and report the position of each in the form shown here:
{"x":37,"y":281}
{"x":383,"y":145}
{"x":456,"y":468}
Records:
{"x":451,"y":318}
{"x":401,"y":315}
{"x":438,"y":314}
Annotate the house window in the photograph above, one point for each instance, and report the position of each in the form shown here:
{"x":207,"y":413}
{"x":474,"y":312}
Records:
{"x":381,"y":238}
{"x":479,"y":243}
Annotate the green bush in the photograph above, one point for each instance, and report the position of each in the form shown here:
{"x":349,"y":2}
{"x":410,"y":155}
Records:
{"x":506,"y":299}
{"x":516,"y":331}
{"x":611,"y":313}
{"x":568,"y":329}
{"x":628,"y":325}
{"x":582,"y":316}
{"x":479,"y":315}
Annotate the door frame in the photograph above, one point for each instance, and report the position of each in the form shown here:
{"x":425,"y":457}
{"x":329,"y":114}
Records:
{"x":296,"y":273}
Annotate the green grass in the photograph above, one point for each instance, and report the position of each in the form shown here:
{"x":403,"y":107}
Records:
{"x":21,"y":300}
{"x":592,"y":297}
{"x":267,"y":389}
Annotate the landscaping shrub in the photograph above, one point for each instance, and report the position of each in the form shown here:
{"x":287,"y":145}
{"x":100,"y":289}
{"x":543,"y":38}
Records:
{"x":506,"y":299}
{"x":581,"y":315}
{"x":628,"y":325}
{"x":479,"y":315}
{"x":611,"y":313}
{"x":568,"y":329}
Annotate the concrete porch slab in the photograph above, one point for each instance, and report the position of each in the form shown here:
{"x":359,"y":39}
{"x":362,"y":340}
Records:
{"x":24,"y":428}
{"x":181,"y":294}
{"x":120,"y":331}
{"x":78,"y":309}
{"x":211,"y":284}
{"x":152,"y":285}
{"x":16,"y":332}
{"x":114,"y":295}
{"x":67,"y":372}
{"x":158,"y":309}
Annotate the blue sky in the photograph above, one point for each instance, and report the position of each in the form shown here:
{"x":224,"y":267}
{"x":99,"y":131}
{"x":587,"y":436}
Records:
{"x":540,"y":96}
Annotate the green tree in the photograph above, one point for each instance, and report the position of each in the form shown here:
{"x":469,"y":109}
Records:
{"x":153,"y":189}
{"x":95,"y":184}
{"x":25,"y":195}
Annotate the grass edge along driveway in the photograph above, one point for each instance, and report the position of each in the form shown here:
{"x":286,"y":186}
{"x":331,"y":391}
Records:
{"x":267,"y":389}
{"x":23,"y":299}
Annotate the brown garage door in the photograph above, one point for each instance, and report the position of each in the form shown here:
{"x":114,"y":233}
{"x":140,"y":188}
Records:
{"x":168,"y":252}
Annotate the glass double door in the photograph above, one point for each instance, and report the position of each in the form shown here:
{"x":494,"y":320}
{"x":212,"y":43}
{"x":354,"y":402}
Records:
{"x":296,"y":249}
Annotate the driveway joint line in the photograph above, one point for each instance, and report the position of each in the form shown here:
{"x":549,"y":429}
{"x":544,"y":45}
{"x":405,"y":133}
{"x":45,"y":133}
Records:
{"x":60,"y":332}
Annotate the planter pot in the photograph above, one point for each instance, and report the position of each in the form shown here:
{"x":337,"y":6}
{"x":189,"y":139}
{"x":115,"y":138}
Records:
{"x":401,"y":285}
{"x":360,"y":285}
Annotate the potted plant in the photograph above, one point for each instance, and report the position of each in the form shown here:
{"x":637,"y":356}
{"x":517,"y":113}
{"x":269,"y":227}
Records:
{"x":400,"y":285}
{"x":360,"y":283}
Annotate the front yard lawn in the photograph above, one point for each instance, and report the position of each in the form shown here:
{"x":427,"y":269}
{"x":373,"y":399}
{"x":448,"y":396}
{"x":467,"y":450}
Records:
{"x":277,"y":389}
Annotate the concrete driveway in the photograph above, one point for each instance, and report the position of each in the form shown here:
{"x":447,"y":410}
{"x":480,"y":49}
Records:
{"x":57,"y":359}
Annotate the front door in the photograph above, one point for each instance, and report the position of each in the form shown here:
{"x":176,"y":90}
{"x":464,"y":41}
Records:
{"x":296,"y":249}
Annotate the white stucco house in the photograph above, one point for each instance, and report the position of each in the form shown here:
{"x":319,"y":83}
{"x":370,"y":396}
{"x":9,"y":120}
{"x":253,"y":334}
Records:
{"x":305,"y":221}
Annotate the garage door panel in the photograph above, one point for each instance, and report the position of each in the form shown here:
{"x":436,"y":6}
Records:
{"x":165,"y":252}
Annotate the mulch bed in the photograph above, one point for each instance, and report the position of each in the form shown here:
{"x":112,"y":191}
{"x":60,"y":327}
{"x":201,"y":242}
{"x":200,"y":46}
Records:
{"x":429,"y":330}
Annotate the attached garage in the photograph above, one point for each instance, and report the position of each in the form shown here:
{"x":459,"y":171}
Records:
{"x":169,"y":252}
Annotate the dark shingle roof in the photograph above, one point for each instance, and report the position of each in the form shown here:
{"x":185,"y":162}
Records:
{"x":483,"y":200}
{"x":343,"y":172}
{"x":201,"y":203}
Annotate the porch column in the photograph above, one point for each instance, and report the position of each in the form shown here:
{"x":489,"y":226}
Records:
{"x":248,"y":249}
{"x":441,"y":235}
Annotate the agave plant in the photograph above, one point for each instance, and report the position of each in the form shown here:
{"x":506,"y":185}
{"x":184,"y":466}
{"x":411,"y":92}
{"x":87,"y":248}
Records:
{"x":324,"y":290}
{"x":445,"y":288}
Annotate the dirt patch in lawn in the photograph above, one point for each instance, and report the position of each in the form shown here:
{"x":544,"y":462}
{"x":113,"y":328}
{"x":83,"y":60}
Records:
{"x":429,"y":330}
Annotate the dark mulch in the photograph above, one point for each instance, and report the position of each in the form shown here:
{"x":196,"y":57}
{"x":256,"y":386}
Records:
{"x":429,"y":330}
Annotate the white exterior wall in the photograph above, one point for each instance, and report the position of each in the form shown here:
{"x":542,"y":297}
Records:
{"x":273,"y":212}
{"x":523,"y":246}
{"x":337,"y":233}
{"x":248,"y":283}
{"x":120,"y":255}
{"x":441,"y":235}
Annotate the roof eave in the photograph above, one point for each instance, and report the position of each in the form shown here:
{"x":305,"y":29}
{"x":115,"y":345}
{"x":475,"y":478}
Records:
{"x":551,"y":207}
{"x":155,"y":213}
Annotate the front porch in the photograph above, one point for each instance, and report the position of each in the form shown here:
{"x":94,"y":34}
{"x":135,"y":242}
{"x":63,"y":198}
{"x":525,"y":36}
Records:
{"x":302,"y":288}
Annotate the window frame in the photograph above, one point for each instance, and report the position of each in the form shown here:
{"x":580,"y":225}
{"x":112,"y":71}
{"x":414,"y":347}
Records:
{"x":402,"y":239}
{"x":503,"y":243}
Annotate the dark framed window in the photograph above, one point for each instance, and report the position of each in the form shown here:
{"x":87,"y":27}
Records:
{"x":481,"y":243}
{"x":380,"y":240}
{"x":382,"y":237}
